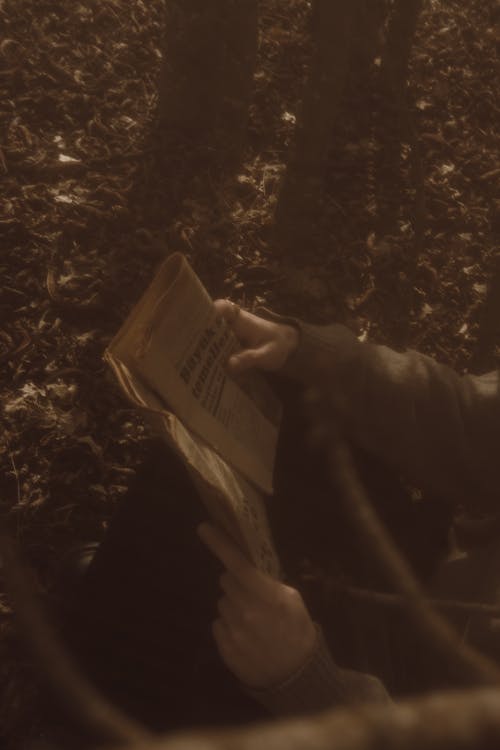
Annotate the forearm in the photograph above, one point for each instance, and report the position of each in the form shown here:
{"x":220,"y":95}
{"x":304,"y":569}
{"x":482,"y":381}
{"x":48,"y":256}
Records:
{"x":441,"y":429}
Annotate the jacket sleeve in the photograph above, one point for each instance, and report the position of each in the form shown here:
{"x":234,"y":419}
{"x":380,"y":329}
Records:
{"x":320,"y":684}
{"x":439,"y":428}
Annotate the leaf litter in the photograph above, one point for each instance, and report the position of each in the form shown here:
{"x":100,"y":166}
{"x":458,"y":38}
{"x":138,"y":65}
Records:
{"x":85,"y":217}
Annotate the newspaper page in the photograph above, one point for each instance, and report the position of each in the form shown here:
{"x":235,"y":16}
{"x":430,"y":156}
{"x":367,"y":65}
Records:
{"x":169,"y":356}
{"x":177,"y":344}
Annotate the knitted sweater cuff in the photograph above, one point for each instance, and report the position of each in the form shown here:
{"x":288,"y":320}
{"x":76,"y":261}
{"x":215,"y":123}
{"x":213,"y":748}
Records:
{"x":319,"y":347}
{"x":319,"y":684}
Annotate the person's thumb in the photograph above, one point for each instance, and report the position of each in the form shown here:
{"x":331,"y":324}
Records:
{"x":249,"y":358}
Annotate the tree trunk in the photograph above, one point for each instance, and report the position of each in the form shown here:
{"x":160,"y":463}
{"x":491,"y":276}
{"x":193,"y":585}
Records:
{"x":206,"y":78}
{"x":400,"y":36}
{"x":485,"y":354}
{"x":332,"y":29}
{"x":396,"y":124}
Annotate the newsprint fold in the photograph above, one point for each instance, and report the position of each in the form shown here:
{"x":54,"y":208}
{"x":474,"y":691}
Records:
{"x":169,"y":358}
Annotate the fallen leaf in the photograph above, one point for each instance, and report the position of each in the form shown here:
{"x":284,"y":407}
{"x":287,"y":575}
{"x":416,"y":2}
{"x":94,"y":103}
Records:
{"x":88,"y":440}
{"x":65,"y":159}
{"x":425,"y":311}
{"x":446,"y":168}
{"x":489,"y":175}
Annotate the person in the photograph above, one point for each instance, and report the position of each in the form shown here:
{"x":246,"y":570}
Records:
{"x":441,"y":429}
{"x":155,"y":647}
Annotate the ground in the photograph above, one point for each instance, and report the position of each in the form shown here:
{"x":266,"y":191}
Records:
{"x":86,"y":214}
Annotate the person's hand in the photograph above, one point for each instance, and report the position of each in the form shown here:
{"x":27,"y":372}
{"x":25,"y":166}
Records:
{"x":266,"y":345}
{"x":264,"y":632}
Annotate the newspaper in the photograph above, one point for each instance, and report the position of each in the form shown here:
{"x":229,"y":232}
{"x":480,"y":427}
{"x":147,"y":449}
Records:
{"x":170,"y":359}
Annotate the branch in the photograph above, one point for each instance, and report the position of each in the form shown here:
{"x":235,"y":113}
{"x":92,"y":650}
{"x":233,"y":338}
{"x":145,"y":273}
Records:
{"x":393,"y":600}
{"x":85,"y":704}
{"x":465,"y":720}
{"x":466,"y":662}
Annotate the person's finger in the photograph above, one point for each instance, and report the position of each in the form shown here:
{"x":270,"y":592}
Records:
{"x":231,"y":312}
{"x":223,"y":639}
{"x":226,"y":551}
{"x":231,"y":614}
{"x":249,"y":358}
{"x":223,"y":307}
{"x":246,"y":326}
{"x":233,"y":589}
{"x":233,"y":559}
{"x":227,"y":309}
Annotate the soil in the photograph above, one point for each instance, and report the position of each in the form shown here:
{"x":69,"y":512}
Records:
{"x":90,"y":204}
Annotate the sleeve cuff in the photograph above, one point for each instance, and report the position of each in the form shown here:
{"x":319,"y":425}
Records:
{"x":320,"y":684}
{"x":320,"y":348}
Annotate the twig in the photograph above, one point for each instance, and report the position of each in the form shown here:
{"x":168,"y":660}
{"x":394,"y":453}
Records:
{"x":3,"y":163}
{"x":465,"y":661}
{"x":16,"y":474}
{"x":9,"y":354}
{"x":86,"y":705}
{"x":393,"y":600}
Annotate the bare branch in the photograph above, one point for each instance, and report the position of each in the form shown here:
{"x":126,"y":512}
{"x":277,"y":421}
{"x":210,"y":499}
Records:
{"x":393,"y":600}
{"x":82,"y":700}
{"x":461,"y":720}
{"x":466,"y":663}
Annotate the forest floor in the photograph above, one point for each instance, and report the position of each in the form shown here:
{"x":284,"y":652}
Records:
{"x":86,"y":216}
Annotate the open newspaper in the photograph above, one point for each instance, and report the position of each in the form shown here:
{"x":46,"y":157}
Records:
{"x":169,"y":358}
